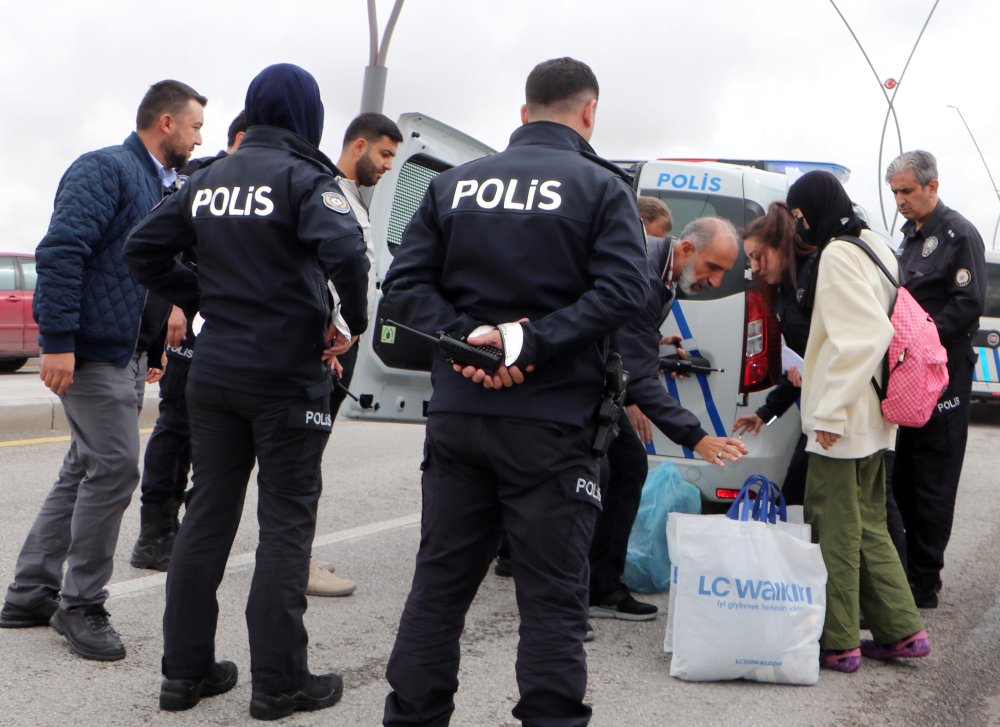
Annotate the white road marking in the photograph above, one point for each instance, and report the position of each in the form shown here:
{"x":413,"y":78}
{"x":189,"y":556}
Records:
{"x":145,"y":583}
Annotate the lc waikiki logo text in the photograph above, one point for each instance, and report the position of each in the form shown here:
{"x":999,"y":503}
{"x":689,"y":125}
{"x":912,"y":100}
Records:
{"x":755,"y":590}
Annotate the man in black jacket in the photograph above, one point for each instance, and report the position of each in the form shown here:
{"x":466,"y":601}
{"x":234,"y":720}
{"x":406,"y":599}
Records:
{"x":537,"y":251}
{"x":695,"y":262}
{"x":944,"y":267}
{"x":270,"y":226}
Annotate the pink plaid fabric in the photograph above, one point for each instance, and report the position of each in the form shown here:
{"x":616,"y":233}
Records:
{"x":918,"y":365}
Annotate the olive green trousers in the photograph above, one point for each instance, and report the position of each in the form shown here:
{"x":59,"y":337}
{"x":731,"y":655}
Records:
{"x":845,"y":504}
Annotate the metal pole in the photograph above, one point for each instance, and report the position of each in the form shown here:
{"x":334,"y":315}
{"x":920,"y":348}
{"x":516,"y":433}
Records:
{"x":913,"y":50}
{"x":373,"y":88}
{"x":892,"y":109}
{"x":987,"y":166}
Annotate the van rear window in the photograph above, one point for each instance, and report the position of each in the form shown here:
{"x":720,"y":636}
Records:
{"x":992,"y":290}
{"x":414,"y":177}
{"x":687,"y":206}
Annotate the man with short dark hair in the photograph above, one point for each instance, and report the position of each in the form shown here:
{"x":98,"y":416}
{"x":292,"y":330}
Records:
{"x":237,"y":130}
{"x":944,"y":267}
{"x":88,"y":308}
{"x":369,"y":147}
{"x":167,"y":460}
{"x":655,"y":216}
{"x":537,"y":251}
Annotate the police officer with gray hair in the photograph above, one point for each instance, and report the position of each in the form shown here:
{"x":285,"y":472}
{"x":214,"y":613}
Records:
{"x":537,"y":251}
{"x":944,"y":267}
{"x":270,"y":226}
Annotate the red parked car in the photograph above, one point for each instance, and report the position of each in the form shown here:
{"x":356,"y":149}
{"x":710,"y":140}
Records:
{"x":18,"y":330}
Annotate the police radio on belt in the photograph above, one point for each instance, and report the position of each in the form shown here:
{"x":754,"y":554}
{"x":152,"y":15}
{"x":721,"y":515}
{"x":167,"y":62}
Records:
{"x":486,"y":358}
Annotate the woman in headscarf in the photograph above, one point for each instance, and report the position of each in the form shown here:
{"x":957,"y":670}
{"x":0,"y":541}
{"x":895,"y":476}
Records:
{"x":849,"y":334}
{"x":780,"y":258}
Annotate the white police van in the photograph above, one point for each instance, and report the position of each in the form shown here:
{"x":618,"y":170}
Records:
{"x":986,"y":376}
{"x":733,"y":326}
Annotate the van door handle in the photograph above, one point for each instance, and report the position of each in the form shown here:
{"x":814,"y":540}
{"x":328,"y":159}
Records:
{"x":12,"y":298}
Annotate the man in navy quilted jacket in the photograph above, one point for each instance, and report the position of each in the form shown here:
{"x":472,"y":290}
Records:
{"x":89,"y":307}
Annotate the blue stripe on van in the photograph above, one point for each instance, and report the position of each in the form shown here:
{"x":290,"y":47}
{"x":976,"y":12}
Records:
{"x":672,"y":390}
{"x":706,"y":390}
{"x":983,"y":367}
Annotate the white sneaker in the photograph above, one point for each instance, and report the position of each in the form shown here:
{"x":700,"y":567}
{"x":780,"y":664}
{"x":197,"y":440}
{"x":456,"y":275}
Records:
{"x":324,"y":583}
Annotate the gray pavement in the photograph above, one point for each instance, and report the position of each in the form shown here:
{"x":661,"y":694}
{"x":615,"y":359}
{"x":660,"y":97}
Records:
{"x":27,"y":406}
{"x":368,"y":526}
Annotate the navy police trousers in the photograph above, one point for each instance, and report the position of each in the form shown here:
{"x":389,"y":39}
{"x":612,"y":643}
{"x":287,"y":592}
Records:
{"x":538,"y":481}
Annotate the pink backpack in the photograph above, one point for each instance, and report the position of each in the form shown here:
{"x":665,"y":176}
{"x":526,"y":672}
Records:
{"x":916,"y":365}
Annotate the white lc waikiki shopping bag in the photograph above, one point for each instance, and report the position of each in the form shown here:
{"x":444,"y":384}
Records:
{"x":747,"y":597}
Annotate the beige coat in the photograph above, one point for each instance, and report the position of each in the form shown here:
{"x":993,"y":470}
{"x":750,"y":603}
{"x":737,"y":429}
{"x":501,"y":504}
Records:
{"x":848,"y":337}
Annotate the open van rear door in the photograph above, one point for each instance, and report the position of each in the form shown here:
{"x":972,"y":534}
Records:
{"x":731,"y":328}
{"x":391,"y":379}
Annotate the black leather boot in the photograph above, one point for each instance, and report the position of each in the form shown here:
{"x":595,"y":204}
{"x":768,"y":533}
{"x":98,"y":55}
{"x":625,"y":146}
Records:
{"x":158,"y":525}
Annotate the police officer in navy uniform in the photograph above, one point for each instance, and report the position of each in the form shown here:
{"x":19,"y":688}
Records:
{"x":167,"y":459}
{"x":944,"y":268}
{"x":537,"y":250}
{"x":269,"y":226}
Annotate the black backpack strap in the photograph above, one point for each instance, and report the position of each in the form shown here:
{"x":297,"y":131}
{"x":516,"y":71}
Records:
{"x":881,"y":392}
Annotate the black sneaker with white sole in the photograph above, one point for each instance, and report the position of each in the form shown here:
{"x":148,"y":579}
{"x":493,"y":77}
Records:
{"x":317,"y":692}
{"x":620,"y":604}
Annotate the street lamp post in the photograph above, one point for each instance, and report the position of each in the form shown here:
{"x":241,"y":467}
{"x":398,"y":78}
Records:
{"x":893,"y":85}
{"x":993,"y":184}
{"x":373,"y":89}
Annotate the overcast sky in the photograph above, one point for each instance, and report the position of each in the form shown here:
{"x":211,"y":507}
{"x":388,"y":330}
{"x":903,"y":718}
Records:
{"x":779,"y":79}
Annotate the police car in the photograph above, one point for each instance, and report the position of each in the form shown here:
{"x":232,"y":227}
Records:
{"x":986,"y":375}
{"x":732,"y":326}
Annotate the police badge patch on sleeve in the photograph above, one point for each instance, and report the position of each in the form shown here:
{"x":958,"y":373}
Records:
{"x":963,"y":277}
{"x":930,"y":245}
{"x":337,"y":202}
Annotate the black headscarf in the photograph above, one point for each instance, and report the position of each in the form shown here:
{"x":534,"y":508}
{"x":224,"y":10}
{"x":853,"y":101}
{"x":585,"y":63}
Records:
{"x":823,"y":202}
{"x":286,"y":96}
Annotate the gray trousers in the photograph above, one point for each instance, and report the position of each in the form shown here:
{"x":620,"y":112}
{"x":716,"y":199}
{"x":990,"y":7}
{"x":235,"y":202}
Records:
{"x":80,"y":518}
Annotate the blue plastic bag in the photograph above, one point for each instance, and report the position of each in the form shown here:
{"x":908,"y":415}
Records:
{"x":647,"y":565}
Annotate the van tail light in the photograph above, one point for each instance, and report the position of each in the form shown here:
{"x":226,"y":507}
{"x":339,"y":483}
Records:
{"x":761,"y":342}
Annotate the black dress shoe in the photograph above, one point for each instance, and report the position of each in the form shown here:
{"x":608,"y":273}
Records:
{"x":317,"y":692}
{"x":181,"y":694}
{"x":24,"y":617}
{"x":502,"y":567}
{"x":925,"y":597}
{"x":89,"y":632}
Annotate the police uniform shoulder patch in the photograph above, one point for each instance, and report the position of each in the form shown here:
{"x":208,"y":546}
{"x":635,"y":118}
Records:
{"x":930,"y":245}
{"x":963,"y":277}
{"x":337,"y":202}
